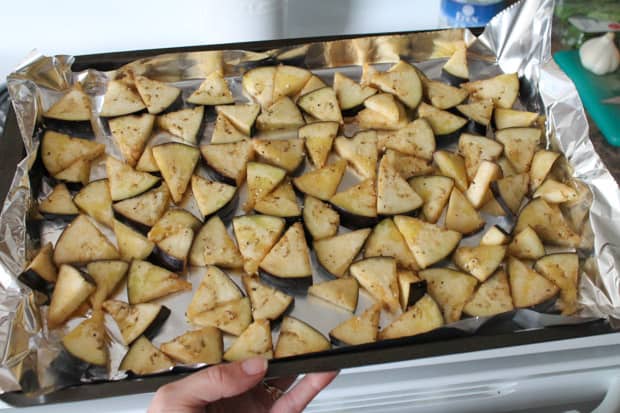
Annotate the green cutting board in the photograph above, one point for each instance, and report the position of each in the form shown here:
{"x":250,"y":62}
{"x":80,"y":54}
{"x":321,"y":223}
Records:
{"x":593,"y":90}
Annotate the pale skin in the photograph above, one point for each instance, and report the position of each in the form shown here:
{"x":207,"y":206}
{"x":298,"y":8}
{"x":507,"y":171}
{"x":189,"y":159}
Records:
{"x":237,"y":387}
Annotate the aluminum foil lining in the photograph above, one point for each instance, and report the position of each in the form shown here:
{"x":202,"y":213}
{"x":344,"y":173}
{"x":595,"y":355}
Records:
{"x":518,"y":39}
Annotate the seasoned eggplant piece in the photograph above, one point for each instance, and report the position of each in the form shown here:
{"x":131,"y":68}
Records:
{"x":507,"y":168}
{"x":289,"y":80}
{"x":259,"y":84}
{"x":184,"y":123}
{"x":74,"y":106}
{"x":411,"y":288}
{"x":256,"y":235}
{"x":214,"y":246}
{"x":336,"y":253}
{"x":212,"y":196}
{"x":137,"y":320}
{"x":262,"y":179}
{"x":132,"y":244}
{"x":41,"y":273}
{"x":401,"y":80}
{"x":428,"y":242}
{"x":147,"y":163}
{"x":480,"y":185}
{"x":526,"y":245}
{"x":495,"y":236}
{"x":476,"y":149}
{"x":212,"y":91}
{"x":385,"y":105}
{"x":455,"y":70}
{"x":372,"y":119}
{"x":528,"y":287}
{"x":542,"y":162}
{"x":281,"y":202}
{"x":479,"y":113}
{"x":361,"y":151}
{"x":125,"y":182}
{"x":563,"y":271}
{"x":232,"y":317}
{"x":107,"y":276}
{"x":445,"y":125}
{"x":318,"y":138}
{"x":287,"y":154}
{"x":95,"y":200}
{"x":156,"y":95}
{"x":267,"y":302}
{"x":72,"y":288}
{"x":461,"y":215}
{"x":143,"y":211}
{"x":171,"y":222}
{"x":297,"y":337}
{"x":319,"y":218}
{"x":491,"y":206}
{"x":58,"y":204}
{"x":548,"y":222}
{"x":386,"y":241}
{"x":322,"y":183}
{"x":172,"y":251}
{"x":510,"y":118}
{"x":554,"y":192}
{"x":342,"y":292}
{"x":229,"y":160}
{"x":407,"y":166}
{"x":394,"y":194}
{"x":225,"y":132}
{"x":351,"y":95}
{"x":422,"y":317}
{"x":215,"y":288}
{"x":176,"y":162}
{"x":492,"y":297}
{"x":254,"y":341}
{"x":322,"y":104}
{"x":313,"y":83}
{"x":378,"y":276}
{"x":443,"y":96}
{"x":357,"y":205}
{"x":519,"y":145}
{"x":76,"y":175}
{"x":435,"y":191}
{"x":282,"y":114}
{"x":60,"y":151}
{"x":130,"y":134}
{"x":502,"y":89}
{"x":82,"y":242}
{"x":146,"y":282}
{"x":88,"y":341}
{"x":452,"y":165}
{"x":242,"y":116}
{"x":144,"y":358}
{"x":451,"y":290}
{"x":480,"y":261}
{"x":120,"y":99}
{"x":511,"y":191}
{"x":204,"y":345}
{"x":360,"y":329}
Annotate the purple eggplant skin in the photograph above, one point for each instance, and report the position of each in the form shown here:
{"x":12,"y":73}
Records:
{"x":216,"y":176}
{"x":449,"y":138}
{"x":138,"y":226}
{"x":347,"y":113}
{"x":167,"y":261}
{"x":157,"y":323}
{"x":61,"y":217}
{"x":33,"y":280}
{"x":353,"y":221}
{"x":227,"y":212}
{"x":452,"y":79}
{"x":294,"y":286}
{"x":416,"y":291}
{"x":476,"y":128}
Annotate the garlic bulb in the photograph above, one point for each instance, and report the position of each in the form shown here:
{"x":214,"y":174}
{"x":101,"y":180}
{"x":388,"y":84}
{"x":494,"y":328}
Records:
{"x":600,"y":55}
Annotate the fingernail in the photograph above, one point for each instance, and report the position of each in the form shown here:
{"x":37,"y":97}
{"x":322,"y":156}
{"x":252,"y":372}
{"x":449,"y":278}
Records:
{"x":254,"y":366}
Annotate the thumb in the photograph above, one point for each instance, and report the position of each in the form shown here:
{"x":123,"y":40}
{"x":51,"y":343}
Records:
{"x":209,"y":385}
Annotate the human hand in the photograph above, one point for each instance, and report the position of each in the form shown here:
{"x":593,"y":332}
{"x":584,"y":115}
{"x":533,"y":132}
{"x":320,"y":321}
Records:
{"x":238,"y":387}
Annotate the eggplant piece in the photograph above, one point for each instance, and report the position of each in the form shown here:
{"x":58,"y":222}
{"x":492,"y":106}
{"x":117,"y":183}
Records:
{"x":555,"y":192}
{"x":267,"y":302}
{"x":507,"y":168}
{"x":76,"y":175}
{"x":130,"y":134}
{"x":528,"y":287}
{"x":242,"y":116}
{"x":510,"y":118}
{"x":492,"y":297}
{"x":229,"y":160}
{"x":120,"y":99}
{"x":60,"y":151}
{"x":519,"y":146}
{"x":282,"y":114}
{"x":452,"y":165}
{"x":563,"y":270}
{"x":212,"y":196}
{"x":287,"y":265}
{"x":394,"y":194}
{"x":125,"y":182}
{"x":287,"y":154}
{"x":360,"y":329}
{"x":336,"y":253}
{"x":58,"y":204}
{"x":232,"y":317}
{"x":72,"y":288}
{"x":184,"y":123}
{"x":262,"y":179}
{"x":548,"y":222}
{"x":143,"y":211}
{"x":350,"y":94}
{"x":461,"y":215}
{"x":214,"y":246}
{"x":95,"y":200}
{"x":480,"y":261}
{"x":225,"y":132}
{"x":422,"y":317}
{"x":443,"y":96}
{"x":172,"y":251}
{"x":144,"y":358}
{"x":289,"y":80}
{"x":372,"y":119}
{"x":322,"y":183}
{"x":41,"y":273}
{"x":479,"y":113}
{"x":378,"y":276}
{"x":313,"y":83}
{"x":281,"y":202}
{"x":87,"y":341}
{"x":428,"y":242}
{"x":495,"y":236}
{"x":204,"y":345}
{"x":147,"y":282}
{"x":176,"y":162}
{"x":386,"y":241}
{"x":215,"y":288}
{"x":342,"y":292}
{"x":318,"y":138}
{"x":361,"y":151}
{"x":212,"y":91}
{"x":156,"y":95}
{"x":132,"y":244}
{"x":526,"y":245}
{"x":171,"y":222}
{"x":384,"y":104}
{"x":82,"y":242}
{"x":411,"y":287}
{"x":455,"y":70}
{"x":407,"y":166}
{"x":476,"y":149}
{"x":502,"y":89}
{"x":147,"y":163}
{"x":296,"y":337}
{"x":542,"y":162}
{"x":256,"y":235}
{"x":491,"y":206}
{"x":259,"y":84}
{"x":107,"y":275}
{"x":320,"y":219}
{"x":435,"y":191}
{"x":480,"y":185}
{"x":446,"y":126}
{"x":135,"y":321}
{"x":451,"y":290}
{"x":403,"y":81}
{"x":255,"y":341}
{"x":357,"y":205}
{"x":511,"y":191}
{"x":321,"y":104}
{"x":73,"y":106}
